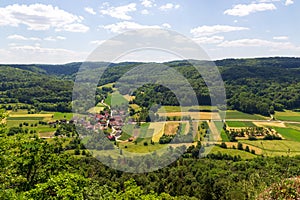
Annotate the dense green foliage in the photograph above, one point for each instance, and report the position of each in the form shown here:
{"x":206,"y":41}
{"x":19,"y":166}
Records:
{"x":43,"y":92}
{"x":261,"y":85}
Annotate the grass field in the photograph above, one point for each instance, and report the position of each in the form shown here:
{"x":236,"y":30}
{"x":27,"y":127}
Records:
{"x":28,"y":118}
{"x":233,"y":152}
{"x":289,"y":134}
{"x":288,"y":115}
{"x":184,"y":108}
{"x":279,"y":146}
{"x":232,"y":114}
{"x":115,"y":99}
{"x":239,"y":124}
{"x":193,"y":115}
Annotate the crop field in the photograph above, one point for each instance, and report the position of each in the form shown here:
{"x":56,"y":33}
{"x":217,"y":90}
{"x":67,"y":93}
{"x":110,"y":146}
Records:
{"x":232,"y":114}
{"x":279,"y":146}
{"x":233,"y":152}
{"x":289,"y":134}
{"x":158,"y":129}
{"x":171,"y":128}
{"x":115,"y":99}
{"x":288,"y":116}
{"x":184,"y":108}
{"x":240,"y":124}
{"x":193,"y":115}
{"x":269,"y":124}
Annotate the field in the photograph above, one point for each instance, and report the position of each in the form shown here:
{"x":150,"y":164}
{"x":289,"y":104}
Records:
{"x":289,"y":134}
{"x":115,"y":99}
{"x":276,"y":147}
{"x":269,"y":124}
{"x":288,"y":116}
{"x":193,"y":115}
{"x":233,"y":152}
{"x":21,"y":116}
{"x":232,"y":114}
{"x":158,"y":128}
{"x":239,"y":124}
{"x":184,"y":108}
{"x":171,"y":128}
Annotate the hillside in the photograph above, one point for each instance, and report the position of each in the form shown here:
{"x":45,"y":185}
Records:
{"x":260,"y":85}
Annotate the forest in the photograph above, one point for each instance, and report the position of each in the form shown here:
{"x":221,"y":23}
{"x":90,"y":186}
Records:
{"x":248,"y":89}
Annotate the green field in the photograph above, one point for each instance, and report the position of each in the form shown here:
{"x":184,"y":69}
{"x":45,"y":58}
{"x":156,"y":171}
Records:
{"x":232,"y":114}
{"x":115,"y":99}
{"x":233,"y":152}
{"x":288,"y":115}
{"x":276,"y":147}
{"x":183,"y":108}
{"x":29,"y":118}
{"x":59,"y":115}
{"x":289,"y":134}
{"x":239,"y":124}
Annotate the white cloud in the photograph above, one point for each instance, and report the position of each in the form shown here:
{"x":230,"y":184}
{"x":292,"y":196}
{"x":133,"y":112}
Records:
{"x":120,"y":12}
{"x":80,"y":28}
{"x":211,"y":30}
{"x":20,"y":37}
{"x":148,"y":3}
{"x":97,"y":42}
{"x":169,"y":6}
{"x":258,"y":43}
{"x":90,"y":10}
{"x":37,"y":54}
{"x":166,"y":25}
{"x":246,"y":9}
{"x":50,"y":38}
{"x":209,"y":40}
{"x":37,"y":17}
{"x":126,"y":26}
{"x":145,"y":12}
{"x":267,"y":1}
{"x":289,"y":2}
{"x":280,"y":38}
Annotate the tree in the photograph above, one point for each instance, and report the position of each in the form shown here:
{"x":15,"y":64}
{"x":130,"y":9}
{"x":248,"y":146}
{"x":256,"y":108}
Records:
{"x":240,"y":146}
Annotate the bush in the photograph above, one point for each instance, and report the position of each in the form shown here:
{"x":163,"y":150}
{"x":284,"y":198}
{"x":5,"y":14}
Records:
{"x":240,"y":146}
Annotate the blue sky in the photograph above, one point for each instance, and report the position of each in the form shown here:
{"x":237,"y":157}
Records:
{"x":61,"y":31}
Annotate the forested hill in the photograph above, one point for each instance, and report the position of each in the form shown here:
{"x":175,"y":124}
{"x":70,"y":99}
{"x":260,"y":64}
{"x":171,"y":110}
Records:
{"x":259,"y":85}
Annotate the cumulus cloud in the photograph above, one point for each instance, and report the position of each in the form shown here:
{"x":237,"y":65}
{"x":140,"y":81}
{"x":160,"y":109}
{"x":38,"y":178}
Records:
{"x":50,"y":38}
{"x":246,"y":9}
{"x":169,"y":6}
{"x":145,"y":12}
{"x":289,"y":2}
{"x":37,"y":54}
{"x":148,"y":3}
{"x":211,"y":30}
{"x":258,"y":43}
{"x":90,"y":10}
{"x":120,"y":12}
{"x":38,"y":17}
{"x":121,"y":27}
{"x":20,"y":37}
{"x":209,"y":40}
{"x":280,"y":38}
{"x":80,"y":28}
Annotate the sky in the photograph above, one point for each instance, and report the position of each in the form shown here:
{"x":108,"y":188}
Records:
{"x":63,"y":31}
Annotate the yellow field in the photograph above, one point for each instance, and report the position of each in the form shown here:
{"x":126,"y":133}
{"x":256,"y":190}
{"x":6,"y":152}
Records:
{"x":95,"y":110}
{"x":128,"y":97}
{"x":193,"y":115}
{"x":158,"y":128}
{"x":269,"y":124}
{"x":171,"y":128}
